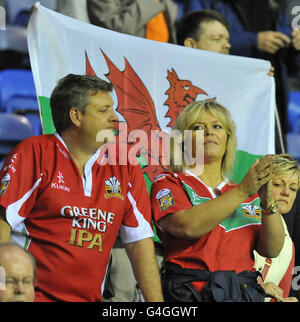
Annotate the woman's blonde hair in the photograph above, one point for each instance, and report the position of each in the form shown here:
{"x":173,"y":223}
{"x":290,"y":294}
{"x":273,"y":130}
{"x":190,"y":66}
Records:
{"x":194,"y":113}
{"x":285,"y":164}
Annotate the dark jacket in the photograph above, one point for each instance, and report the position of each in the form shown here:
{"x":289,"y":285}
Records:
{"x":244,"y":43}
{"x":221,"y":286}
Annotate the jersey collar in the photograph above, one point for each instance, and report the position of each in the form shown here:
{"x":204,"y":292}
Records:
{"x":219,"y":187}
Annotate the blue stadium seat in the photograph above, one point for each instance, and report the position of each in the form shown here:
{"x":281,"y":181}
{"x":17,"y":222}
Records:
{"x":17,"y":90}
{"x":22,"y":18}
{"x":293,"y":145}
{"x":13,"y":129}
{"x":294,"y":112}
{"x":15,"y":7}
{"x":17,"y":95}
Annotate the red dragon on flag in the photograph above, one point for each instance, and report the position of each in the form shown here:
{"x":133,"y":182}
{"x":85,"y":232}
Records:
{"x":135,"y":104}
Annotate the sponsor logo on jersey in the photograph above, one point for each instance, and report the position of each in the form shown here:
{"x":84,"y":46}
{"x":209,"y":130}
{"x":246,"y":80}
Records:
{"x":113,"y":188}
{"x":64,"y":153}
{"x":11,"y":165}
{"x":60,"y":177}
{"x":4,"y":184}
{"x":58,"y":185}
{"x":252,"y":211}
{"x":88,"y":225}
{"x":165,"y":199}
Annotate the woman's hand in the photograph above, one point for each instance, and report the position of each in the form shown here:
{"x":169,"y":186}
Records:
{"x":258,"y":175}
{"x":276,"y":292}
{"x":273,"y":290}
{"x":265,"y":195}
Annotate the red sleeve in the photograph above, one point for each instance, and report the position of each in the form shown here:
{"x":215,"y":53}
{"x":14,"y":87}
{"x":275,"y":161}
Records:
{"x":20,"y":176}
{"x":167,"y":197}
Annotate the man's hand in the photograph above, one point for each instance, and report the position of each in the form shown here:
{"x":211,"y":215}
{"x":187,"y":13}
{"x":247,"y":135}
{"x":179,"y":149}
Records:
{"x":271,"y":71}
{"x":296,"y":39}
{"x":5,"y":229}
{"x":272,"y":41}
{"x":145,"y":269}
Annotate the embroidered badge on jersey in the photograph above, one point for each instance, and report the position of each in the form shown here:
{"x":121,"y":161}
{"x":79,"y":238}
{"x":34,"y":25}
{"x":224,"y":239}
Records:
{"x":113,"y":188}
{"x":4,"y":184}
{"x":251,"y":211}
{"x":165,"y":199}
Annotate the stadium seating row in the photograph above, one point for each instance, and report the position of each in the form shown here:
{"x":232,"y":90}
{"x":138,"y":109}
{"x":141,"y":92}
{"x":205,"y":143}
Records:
{"x":18,"y":96}
{"x":19,"y":110}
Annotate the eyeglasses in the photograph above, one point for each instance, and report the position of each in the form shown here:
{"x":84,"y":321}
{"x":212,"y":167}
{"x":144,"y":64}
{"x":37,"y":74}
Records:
{"x":11,"y":282}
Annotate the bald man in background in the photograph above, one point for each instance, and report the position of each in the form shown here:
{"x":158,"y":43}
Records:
{"x":17,"y":274}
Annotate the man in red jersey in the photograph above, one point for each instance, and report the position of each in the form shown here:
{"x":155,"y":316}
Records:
{"x":63,"y":200}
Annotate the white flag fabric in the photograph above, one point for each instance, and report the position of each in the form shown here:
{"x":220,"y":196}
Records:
{"x":154,"y":81}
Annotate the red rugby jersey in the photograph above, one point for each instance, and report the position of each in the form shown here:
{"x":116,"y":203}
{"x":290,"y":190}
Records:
{"x":229,"y":246}
{"x":70,"y":223}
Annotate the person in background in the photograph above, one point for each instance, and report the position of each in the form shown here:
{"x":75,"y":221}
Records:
{"x":207,"y":30}
{"x":260,"y":29}
{"x":76,"y":9}
{"x":151,"y":19}
{"x":204,"y":29}
{"x":17,"y":273}
{"x":277,"y":272}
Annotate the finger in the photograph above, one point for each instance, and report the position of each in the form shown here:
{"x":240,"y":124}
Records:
{"x":271,"y":71}
{"x":296,"y":33}
{"x":272,"y":48}
{"x":254,"y":165}
{"x":279,"y":291}
{"x":296,"y":44}
{"x":264,"y":168}
{"x":282,"y":37}
{"x":278,"y":43}
{"x":263,"y":181}
{"x":296,"y":38}
{"x":278,"y":297}
{"x":266,"y":161}
{"x":290,"y":299}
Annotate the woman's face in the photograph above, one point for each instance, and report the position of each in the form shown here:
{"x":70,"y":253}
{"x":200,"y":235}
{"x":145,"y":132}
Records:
{"x":215,"y":137}
{"x":285,"y":191}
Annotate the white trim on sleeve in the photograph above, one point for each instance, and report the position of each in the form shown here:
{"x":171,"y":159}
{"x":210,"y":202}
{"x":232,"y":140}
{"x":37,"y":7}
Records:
{"x":143,"y":229}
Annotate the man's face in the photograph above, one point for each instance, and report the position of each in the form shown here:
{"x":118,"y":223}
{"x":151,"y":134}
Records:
{"x":19,"y":277}
{"x":214,"y":37}
{"x":99,"y":116}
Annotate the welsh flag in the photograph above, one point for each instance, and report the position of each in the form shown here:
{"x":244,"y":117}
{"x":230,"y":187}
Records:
{"x":153,"y":82}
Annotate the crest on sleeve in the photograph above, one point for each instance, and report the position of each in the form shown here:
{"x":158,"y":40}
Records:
{"x":165,"y":199}
{"x":4,"y":184}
